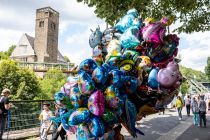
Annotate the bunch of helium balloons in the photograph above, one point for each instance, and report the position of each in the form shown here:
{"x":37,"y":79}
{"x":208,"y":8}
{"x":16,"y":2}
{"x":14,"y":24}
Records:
{"x":133,"y":72}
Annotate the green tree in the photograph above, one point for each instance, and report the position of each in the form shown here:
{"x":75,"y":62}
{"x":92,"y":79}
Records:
{"x":6,"y":54}
{"x":66,"y":58}
{"x":22,"y":82}
{"x":193,"y":74}
{"x":51,"y":83}
{"x":207,"y":68}
{"x":194,"y":15}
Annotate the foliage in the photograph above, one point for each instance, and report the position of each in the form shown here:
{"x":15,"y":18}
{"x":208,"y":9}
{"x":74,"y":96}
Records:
{"x":207,"y":68}
{"x":51,"y":83}
{"x":66,"y":58}
{"x":22,"y":82}
{"x":6,"y":54}
{"x":194,"y":15}
{"x":191,"y":74}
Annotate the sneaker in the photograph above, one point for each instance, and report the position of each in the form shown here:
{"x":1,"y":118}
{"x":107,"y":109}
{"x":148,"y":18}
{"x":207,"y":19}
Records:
{"x":180,"y":119}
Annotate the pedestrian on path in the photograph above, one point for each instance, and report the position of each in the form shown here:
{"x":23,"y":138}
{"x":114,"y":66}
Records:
{"x":5,"y":105}
{"x":59,"y":131}
{"x":45,"y":118}
{"x":187,"y":104}
{"x":195,"y":111}
{"x":179,"y":104}
{"x":202,"y":111}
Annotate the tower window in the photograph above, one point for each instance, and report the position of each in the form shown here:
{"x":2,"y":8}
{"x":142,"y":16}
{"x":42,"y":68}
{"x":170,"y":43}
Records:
{"x":53,"y":26}
{"x":41,"y":24}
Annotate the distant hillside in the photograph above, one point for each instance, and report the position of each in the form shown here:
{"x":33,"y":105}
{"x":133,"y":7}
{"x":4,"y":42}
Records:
{"x":191,"y":74}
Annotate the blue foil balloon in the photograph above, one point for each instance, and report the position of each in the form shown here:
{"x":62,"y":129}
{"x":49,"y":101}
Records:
{"x":87,"y":65}
{"x":77,"y":99}
{"x":62,"y":100}
{"x":128,"y":20}
{"x":130,"y":118}
{"x":96,"y":127}
{"x":152,"y":79}
{"x":95,"y":38}
{"x":117,"y":78}
{"x":100,"y":74}
{"x":81,"y":115}
{"x":129,"y":38}
{"x":85,"y":83}
{"x":131,"y":84}
{"x":83,"y":133}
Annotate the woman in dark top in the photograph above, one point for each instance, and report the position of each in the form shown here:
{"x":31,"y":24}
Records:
{"x":4,"y":107}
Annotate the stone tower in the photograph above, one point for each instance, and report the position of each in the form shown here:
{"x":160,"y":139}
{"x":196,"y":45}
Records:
{"x":46,"y":35}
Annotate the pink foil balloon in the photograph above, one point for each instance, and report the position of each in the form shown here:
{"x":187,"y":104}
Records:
{"x":170,"y":77}
{"x":96,"y":103}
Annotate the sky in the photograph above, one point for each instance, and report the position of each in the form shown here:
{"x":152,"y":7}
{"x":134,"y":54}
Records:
{"x":76,"y":19}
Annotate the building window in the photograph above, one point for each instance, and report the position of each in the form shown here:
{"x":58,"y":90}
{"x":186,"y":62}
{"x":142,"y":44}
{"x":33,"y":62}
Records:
{"x":41,"y":24}
{"x":53,"y":26}
{"x":23,"y":59}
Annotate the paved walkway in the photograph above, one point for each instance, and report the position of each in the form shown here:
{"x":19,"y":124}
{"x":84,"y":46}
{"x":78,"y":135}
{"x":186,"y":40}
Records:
{"x":166,"y":127}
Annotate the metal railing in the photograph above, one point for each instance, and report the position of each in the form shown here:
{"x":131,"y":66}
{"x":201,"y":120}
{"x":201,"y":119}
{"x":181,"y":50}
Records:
{"x":37,"y":66}
{"x":24,"y":115}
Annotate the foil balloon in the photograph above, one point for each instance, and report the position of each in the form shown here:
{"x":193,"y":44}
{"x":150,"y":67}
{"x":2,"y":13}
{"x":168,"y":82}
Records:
{"x":97,"y":55}
{"x":95,"y":38}
{"x":154,"y":32}
{"x":62,"y":100}
{"x":129,"y":38}
{"x":113,"y":48}
{"x":96,"y":127}
{"x":72,"y":80}
{"x":85,"y":83}
{"x":77,"y":99}
{"x":81,"y":115}
{"x":96,"y":103}
{"x":152,"y":79}
{"x":83,"y":132}
{"x":109,"y":118}
{"x":129,"y":118}
{"x":116,"y":78}
{"x":108,"y":35}
{"x":128,"y":67}
{"x":130,"y":84}
{"x":145,"y":62}
{"x":168,"y":50}
{"x":87,"y":65}
{"x":111,"y":99}
{"x":170,"y":76}
{"x":100,"y":74}
{"x":129,"y":20}
{"x":167,"y":20}
{"x":113,"y":61}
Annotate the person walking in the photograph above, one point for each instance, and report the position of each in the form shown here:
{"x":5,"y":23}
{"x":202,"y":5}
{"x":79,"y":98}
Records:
{"x":5,"y":105}
{"x":187,"y":104}
{"x":179,"y":104}
{"x":59,"y":131}
{"x":195,"y":111}
{"x":202,"y":111}
{"x":45,"y":118}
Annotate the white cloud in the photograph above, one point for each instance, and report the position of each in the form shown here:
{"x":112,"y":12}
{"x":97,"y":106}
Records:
{"x":195,"y":54}
{"x":78,"y":44}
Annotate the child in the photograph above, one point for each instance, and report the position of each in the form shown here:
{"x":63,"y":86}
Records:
{"x":45,"y":118}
